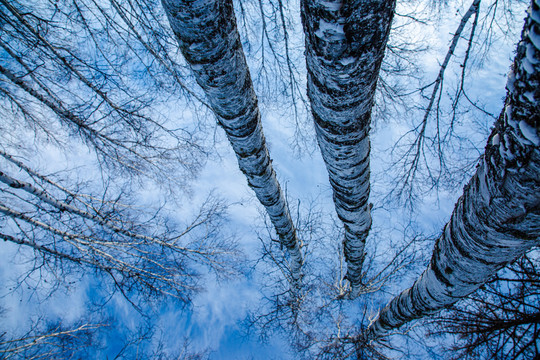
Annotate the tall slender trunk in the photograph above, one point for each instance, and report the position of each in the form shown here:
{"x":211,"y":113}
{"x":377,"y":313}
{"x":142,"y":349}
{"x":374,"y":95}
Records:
{"x":209,"y":40}
{"x":497,"y":219}
{"x":345,"y":43}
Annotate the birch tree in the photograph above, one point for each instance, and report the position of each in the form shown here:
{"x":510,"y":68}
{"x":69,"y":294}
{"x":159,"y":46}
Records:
{"x":440,"y":148}
{"x":100,"y":71}
{"x":345,"y":43}
{"x":209,"y":40}
{"x":143,"y":255}
{"x":54,"y":343}
{"x":415,"y":150}
{"x":497,"y":219}
{"x":499,"y":321}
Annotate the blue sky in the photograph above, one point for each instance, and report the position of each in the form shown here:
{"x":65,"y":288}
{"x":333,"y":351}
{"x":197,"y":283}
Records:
{"x":216,"y":318}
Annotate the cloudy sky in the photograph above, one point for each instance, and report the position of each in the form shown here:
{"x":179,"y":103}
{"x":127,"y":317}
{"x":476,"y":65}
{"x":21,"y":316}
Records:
{"x":216,"y":320}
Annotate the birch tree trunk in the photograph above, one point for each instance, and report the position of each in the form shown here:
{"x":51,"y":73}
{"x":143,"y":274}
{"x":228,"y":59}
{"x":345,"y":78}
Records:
{"x":345,"y":43}
{"x":209,"y":40}
{"x":497,"y":219}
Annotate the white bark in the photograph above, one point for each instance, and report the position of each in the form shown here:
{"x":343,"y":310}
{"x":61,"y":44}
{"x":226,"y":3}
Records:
{"x":209,"y":40}
{"x":345,"y":43}
{"x":96,"y":217}
{"x":497,"y":219}
{"x":63,"y":227}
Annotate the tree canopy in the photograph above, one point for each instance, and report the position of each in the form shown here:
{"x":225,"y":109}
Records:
{"x":131,"y":128}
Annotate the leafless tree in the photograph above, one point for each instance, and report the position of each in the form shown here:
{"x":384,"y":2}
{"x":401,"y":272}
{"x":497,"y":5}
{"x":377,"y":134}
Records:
{"x":499,"y":321}
{"x":319,"y":323}
{"x":268,"y":29}
{"x":413,"y":154}
{"x":111,"y":97}
{"x":56,"y":342}
{"x":496,"y":219}
{"x":46,"y":339}
{"x":209,"y":40}
{"x":101,"y":70}
{"x":425,"y":154}
{"x":345,"y":45}
{"x":140,"y":252}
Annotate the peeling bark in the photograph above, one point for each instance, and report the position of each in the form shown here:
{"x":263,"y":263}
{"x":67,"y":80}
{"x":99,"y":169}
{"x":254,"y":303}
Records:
{"x":497,"y":219}
{"x":345,"y":43}
{"x":208,"y":37}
